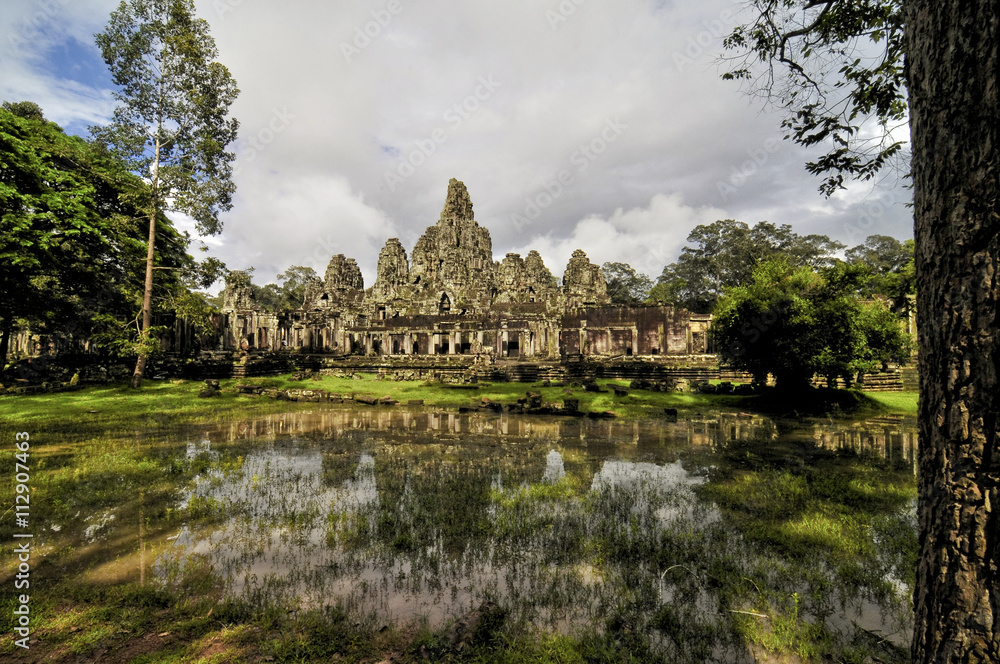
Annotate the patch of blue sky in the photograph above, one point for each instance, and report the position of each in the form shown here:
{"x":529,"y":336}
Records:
{"x":81,"y":63}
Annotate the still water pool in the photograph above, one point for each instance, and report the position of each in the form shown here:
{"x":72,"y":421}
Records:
{"x":703,"y":535}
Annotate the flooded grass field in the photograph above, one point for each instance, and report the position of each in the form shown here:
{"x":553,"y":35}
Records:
{"x":465,"y":536}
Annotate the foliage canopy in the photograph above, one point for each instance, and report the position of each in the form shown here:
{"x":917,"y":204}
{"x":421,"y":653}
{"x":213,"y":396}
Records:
{"x":724,"y":254}
{"x":794,"y":322}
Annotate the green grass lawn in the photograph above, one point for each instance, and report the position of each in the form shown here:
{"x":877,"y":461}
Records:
{"x":163,"y":402}
{"x":896,"y":402}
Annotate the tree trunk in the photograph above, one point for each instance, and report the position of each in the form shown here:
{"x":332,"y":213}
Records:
{"x":147,"y":292}
{"x":8,"y":326}
{"x":147,"y":303}
{"x":955,"y":126}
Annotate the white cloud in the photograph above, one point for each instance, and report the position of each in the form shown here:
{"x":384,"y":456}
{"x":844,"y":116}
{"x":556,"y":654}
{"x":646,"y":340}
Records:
{"x":645,"y":237}
{"x":319,"y":131}
{"x":303,"y":220}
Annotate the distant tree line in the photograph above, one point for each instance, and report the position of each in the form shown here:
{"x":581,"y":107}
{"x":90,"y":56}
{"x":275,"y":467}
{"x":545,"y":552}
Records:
{"x":724,"y":255}
{"x":784,"y":303}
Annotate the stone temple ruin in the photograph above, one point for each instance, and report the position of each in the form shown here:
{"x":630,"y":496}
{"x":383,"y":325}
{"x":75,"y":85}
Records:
{"x":449,"y":298}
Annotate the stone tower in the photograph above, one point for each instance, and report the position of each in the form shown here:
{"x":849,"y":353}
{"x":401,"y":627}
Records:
{"x":583,"y":283}
{"x":238,"y":294}
{"x":525,"y":281}
{"x":342,"y":286}
{"x":391,"y":290}
{"x":452,"y":269}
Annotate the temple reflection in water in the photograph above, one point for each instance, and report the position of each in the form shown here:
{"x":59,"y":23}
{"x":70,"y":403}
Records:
{"x":893,"y":438}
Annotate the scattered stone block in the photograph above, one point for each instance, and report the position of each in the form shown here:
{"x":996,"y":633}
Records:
{"x":489,"y":404}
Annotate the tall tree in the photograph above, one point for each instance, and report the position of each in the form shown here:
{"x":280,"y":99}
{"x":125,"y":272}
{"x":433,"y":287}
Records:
{"x":294,"y":281}
{"x":892,"y":267}
{"x":172,"y":122}
{"x":70,"y":245}
{"x":954,"y":82}
{"x":724,"y":254}
{"x":951,"y":79}
{"x":625,"y":285}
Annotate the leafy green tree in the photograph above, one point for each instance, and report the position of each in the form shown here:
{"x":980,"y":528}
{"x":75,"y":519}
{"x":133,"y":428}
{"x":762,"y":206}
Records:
{"x":881,"y":253}
{"x":28,"y":110}
{"x":268,"y":296}
{"x":844,"y":66}
{"x":290,"y":294}
{"x":172,"y":122}
{"x":293,"y":286}
{"x":724,"y":254}
{"x":625,"y":285}
{"x":70,"y":245}
{"x":795,"y":322}
{"x":892,"y":268}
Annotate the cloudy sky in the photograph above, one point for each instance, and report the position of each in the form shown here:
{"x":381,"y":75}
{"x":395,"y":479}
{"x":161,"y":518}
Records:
{"x":603,"y":126}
